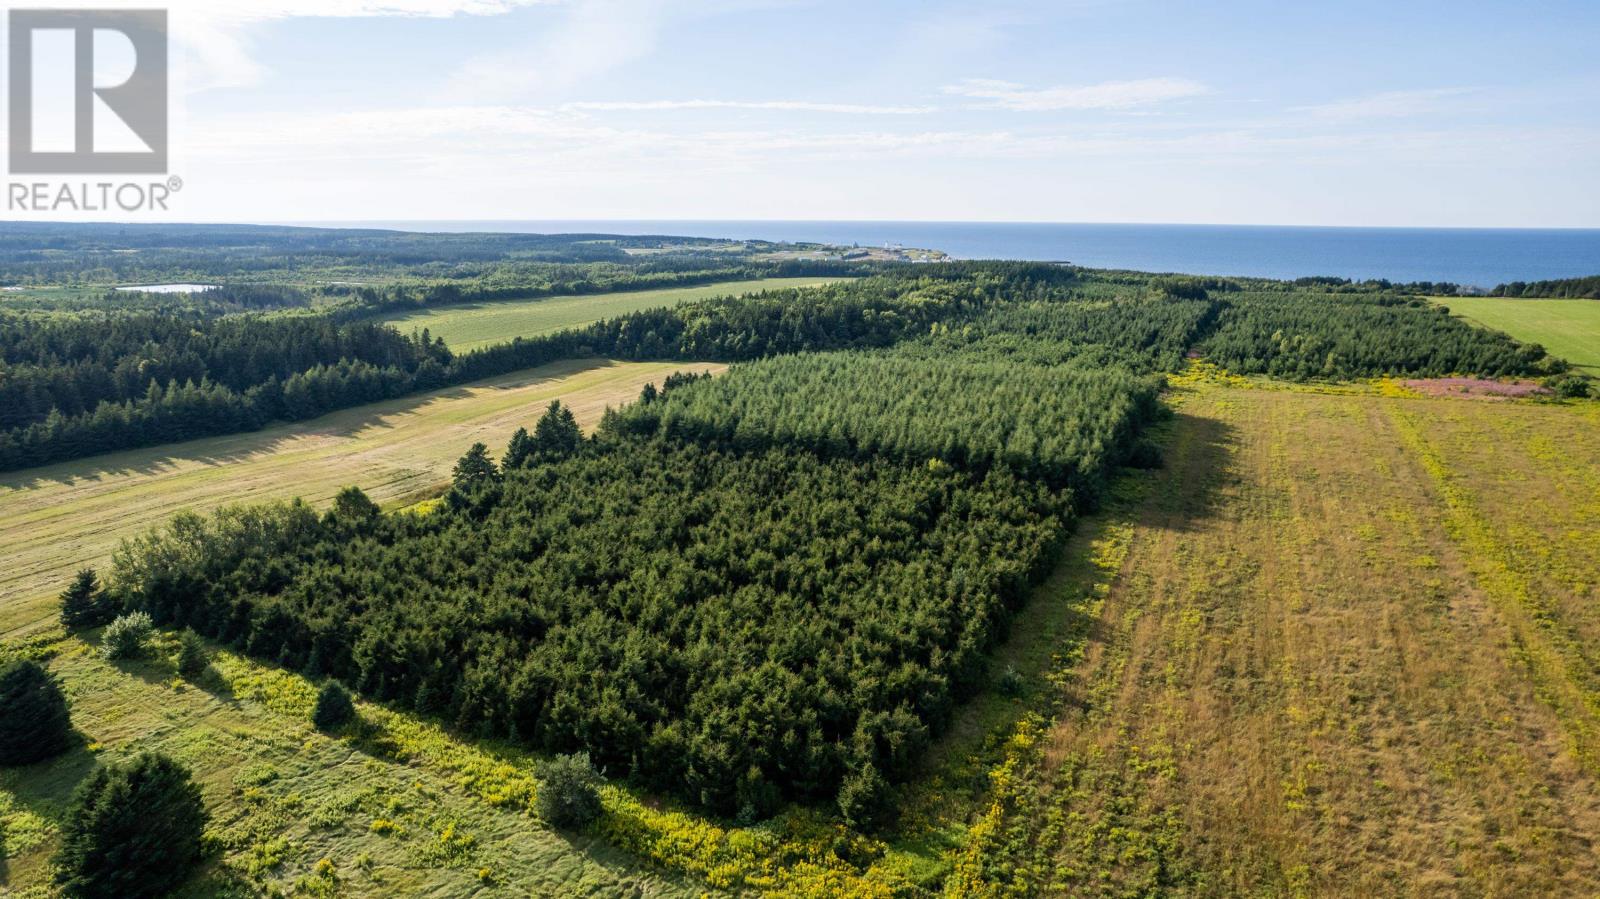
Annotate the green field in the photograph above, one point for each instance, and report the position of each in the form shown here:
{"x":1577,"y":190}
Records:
{"x":1567,"y":328}
{"x":468,"y":326}
{"x":61,"y":517}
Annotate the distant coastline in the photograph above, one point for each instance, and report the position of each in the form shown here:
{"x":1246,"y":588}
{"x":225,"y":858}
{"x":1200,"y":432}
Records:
{"x":1478,"y":257}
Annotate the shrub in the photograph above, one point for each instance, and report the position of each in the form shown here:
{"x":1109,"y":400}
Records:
{"x":34,"y":723}
{"x":569,"y":793}
{"x":864,"y":798}
{"x":131,"y":831}
{"x":192,"y":656}
{"x":125,"y":637}
{"x":1571,"y":387}
{"x":1010,"y":683}
{"x":1145,"y":454}
{"x":334,"y":707}
{"x":83,"y":604}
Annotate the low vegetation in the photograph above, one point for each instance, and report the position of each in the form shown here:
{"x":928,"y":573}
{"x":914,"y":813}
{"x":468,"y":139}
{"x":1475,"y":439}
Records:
{"x":1311,"y":678}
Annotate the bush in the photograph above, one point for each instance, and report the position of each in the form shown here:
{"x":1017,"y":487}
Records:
{"x":125,"y":637}
{"x":34,"y":723}
{"x":1146,"y":454}
{"x":864,"y":799}
{"x":569,"y":793}
{"x":1571,"y":387}
{"x":83,"y":604}
{"x":192,"y":656}
{"x":334,"y":707}
{"x":1010,"y":683}
{"x":131,"y":831}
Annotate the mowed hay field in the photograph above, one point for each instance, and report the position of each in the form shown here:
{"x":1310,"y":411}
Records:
{"x":1567,"y":328}
{"x":61,"y":517}
{"x":1351,"y":652}
{"x":468,"y":326}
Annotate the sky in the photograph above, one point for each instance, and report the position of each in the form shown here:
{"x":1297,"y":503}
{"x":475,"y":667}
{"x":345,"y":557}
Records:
{"x":1353,"y":113}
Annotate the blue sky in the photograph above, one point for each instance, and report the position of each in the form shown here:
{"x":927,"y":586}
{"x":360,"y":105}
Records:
{"x":1350,"y":113}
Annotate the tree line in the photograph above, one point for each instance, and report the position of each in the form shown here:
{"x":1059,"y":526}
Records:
{"x":1306,"y":335}
{"x":76,"y":385}
{"x":1587,"y":288}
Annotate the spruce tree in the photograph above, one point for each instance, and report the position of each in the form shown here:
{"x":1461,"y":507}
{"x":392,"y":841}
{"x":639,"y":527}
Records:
{"x":476,"y":483}
{"x":34,"y":723}
{"x":83,"y":604}
{"x":334,"y":707}
{"x":569,"y":792}
{"x":518,"y":450}
{"x":352,"y":505}
{"x":556,"y":435}
{"x":474,"y":470}
{"x":132,"y":831}
{"x":192,"y":657}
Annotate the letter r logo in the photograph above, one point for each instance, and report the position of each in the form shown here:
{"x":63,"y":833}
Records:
{"x":88,"y":91}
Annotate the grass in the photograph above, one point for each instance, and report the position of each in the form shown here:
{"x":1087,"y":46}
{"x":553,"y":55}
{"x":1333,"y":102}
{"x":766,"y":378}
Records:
{"x":296,"y":811}
{"x":61,"y":517}
{"x":1346,"y":655}
{"x":469,"y":326}
{"x":1569,"y":329}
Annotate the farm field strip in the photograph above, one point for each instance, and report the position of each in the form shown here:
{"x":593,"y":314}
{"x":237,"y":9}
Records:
{"x":1299,"y":684}
{"x":468,"y":326}
{"x":62,"y":517}
{"x":1527,"y":517}
{"x":1567,"y":328}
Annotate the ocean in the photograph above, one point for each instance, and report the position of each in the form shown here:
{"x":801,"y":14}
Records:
{"x":1478,"y":257}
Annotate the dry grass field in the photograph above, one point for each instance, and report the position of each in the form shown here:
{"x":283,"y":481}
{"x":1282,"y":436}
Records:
{"x":61,"y":517}
{"x":1349,"y":653}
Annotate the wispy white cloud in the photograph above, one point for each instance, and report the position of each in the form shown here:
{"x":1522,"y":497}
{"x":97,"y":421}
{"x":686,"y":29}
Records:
{"x":213,"y":37}
{"x":776,"y":105}
{"x":593,"y":38}
{"x":1385,"y":105}
{"x":1106,"y":95}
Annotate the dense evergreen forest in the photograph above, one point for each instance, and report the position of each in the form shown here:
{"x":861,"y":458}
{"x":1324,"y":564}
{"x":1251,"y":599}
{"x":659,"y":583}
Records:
{"x":777,"y":583}
{"x":88,"y":383}
{"x":1567,"y":289}
{"x":1337,"y":336}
